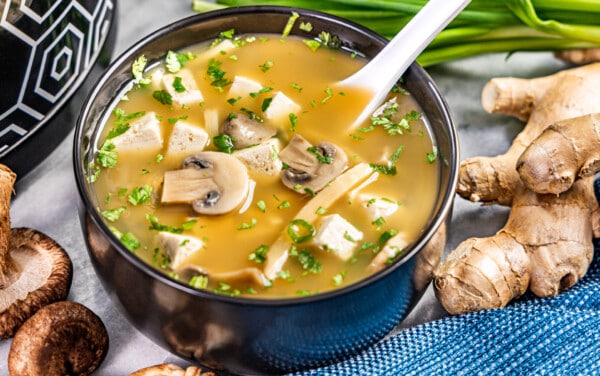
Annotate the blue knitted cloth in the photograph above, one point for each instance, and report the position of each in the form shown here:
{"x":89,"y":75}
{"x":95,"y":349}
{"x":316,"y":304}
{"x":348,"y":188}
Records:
{"x":532,"y":336}
{"x":553,"y":336}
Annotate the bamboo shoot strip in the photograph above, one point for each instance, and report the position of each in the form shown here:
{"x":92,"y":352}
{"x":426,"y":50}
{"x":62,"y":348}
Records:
{"x":279,"y":251}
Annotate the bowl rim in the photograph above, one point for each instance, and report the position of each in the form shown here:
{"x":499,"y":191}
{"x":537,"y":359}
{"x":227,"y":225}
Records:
{"x":446,"y":200}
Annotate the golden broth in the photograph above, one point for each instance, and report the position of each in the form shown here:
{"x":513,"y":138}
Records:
{"x":307,"y":77}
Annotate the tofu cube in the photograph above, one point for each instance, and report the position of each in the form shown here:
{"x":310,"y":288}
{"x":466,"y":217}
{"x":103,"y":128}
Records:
{"x":143,"y":135}
{"x":262,"y":158}
{"x":378,"y":207}
{"x":179,"y":248}
{"x":218,"y":50}
{"x":242,"y":86}
{"x":281,"y":106}
{"x":186,"y":138}
{"x":190,"y":95}
{"x":338,"y":236}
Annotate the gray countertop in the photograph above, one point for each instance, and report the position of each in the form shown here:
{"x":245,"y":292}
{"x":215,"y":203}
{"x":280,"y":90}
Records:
{"x":46,"y":199}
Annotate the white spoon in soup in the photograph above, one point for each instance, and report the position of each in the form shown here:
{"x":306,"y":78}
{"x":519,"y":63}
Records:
{"x":386,"y":68}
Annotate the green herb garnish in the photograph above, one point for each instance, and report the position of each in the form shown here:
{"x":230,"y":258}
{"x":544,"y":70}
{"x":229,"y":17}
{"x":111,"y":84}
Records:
{"x":259,"y":255}
{"x":163,"y":97}
{"x":300,"y":231}
{"x":224,"y":143}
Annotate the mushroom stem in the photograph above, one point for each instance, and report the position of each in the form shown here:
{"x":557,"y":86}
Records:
{"x":8,"y":269}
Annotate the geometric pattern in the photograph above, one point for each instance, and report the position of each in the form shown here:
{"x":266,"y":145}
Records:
{"x":46,"y":50}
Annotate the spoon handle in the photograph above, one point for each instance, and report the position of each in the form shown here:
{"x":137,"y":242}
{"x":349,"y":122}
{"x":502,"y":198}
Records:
{"x":386,"y":68}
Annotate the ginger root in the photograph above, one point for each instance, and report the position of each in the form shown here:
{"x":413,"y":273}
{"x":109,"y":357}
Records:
{"x":579,"y":56}
{"x":546,"y":244}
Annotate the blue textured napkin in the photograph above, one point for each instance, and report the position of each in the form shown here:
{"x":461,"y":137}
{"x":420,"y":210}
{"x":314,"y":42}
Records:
{"x":532,"y":336}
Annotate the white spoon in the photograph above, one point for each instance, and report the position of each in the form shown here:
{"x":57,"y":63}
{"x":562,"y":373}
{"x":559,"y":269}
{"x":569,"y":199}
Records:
{"x":386,"y":68}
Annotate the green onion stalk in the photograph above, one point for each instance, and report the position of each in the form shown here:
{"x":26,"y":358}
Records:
{"x":484,"y":26}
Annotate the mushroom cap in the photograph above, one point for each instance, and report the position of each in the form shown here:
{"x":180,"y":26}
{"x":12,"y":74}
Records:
{"x":212,"y":182}
{"x":45,"y":274}
{"x":168,"y":369}
{"x":305,"y":170}
{"x":63,"y":338}
{"x":229,"y":174}
{"x":246,"y":131}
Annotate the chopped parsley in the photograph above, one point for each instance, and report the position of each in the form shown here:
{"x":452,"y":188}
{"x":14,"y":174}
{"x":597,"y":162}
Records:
{"x":290,"y":24}
{"x":163,"y":97}
{"x":329,"y":40}
{"x":259,"y":255}
{"x":113,"y":215}
{"x":431,"y":157}
{"x":390,"y":168}
{"x":234,"y":101}
{"x":293,"y":121}
{"x":178,"y":84}
{"x":284,"y":205}
{"x":155,"y":225}
{"x":306,"y":260}
{"x":265,"y":104}
{"x":262,"y":206}
{"x":321,"y":157}
{"x":217,"y":75}
{"x":252,"y":115}
{"x":264,"y":89}
{"x":137,"y":70}
{"x":306,"y":26}
{"x":107,"y":156}
{"x":329,"y":95}
{"x":296,"y":86}
{"x":266,"y":65}
{"x":122,"y":122}
{"x":247,"y":226}
{"x":225,"y":289}
{"x":224,"y":143}
{"x":128,"y":239}
{"x":312,"y":44}
{"x":338,"y":279}
{"x":175,"y":61}
{"x":199,"y":281}
{"x":140,"y":195}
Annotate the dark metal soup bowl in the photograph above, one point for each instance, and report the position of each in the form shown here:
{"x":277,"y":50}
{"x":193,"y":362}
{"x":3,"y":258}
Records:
{"x":247,"y":335}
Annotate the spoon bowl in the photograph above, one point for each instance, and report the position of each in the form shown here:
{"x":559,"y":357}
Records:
{"x":386,"y":68}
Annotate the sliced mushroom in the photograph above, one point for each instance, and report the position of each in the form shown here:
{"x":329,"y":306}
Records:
{"x":34,"y":269}
{"x":63,"y":338}
{"x":212,"y":182}
{"x":246,"y":131}
{"x":311,"y":167}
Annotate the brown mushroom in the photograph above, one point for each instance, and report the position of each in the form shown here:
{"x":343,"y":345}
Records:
{"x":212,"y":182}
{"x":34,"y":269}
{"x":63,"y":338}
{"x":311,"y":167}
{"x":171,"y":370}
{"x":246,"y":131}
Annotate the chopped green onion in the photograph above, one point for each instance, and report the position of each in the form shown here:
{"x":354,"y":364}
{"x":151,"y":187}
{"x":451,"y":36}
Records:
{"x":300,"y":231}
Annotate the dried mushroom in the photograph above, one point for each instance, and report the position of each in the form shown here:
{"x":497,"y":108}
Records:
{"x":171,"y":370}
{"x":34,"y":269}
{"x":311,"y":167}
{"x":63,"y":338}
{"x":212,"y":182}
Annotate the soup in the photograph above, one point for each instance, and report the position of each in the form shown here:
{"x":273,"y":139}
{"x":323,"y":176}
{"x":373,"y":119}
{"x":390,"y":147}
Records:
{"x":235,"y":166}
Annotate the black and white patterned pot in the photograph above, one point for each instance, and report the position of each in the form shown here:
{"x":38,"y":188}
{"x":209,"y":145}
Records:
{"x":49,"y":51}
